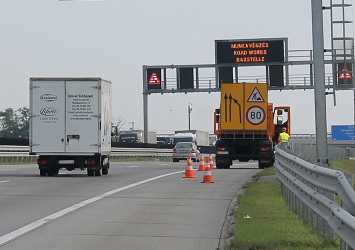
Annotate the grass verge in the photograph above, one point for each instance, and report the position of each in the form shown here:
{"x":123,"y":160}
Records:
{"x":264,"y":221}
{"x":346,"y":166}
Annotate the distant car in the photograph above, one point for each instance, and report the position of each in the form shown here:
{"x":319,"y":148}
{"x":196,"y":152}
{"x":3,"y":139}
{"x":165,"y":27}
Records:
{"x":183,"y":149}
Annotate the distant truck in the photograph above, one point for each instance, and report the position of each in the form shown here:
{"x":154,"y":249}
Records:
{"x":164,"y":140}
{"x":212,"y":139}
{"x":70,"y":124}
{"x":199,"y":137}
{"x":136,"y":136}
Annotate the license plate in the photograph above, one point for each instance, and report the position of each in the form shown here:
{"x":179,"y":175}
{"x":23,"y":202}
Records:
{"x":66,"y":161}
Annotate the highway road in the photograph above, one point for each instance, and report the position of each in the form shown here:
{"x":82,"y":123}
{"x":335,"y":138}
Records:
{"x":139,"y":205}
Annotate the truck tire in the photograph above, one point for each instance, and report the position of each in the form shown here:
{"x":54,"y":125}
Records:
{"x":261,"y":165}
{"x":90,"y":172}
{"x":227,"y":166}
{"x":104,"y":171}
{"x":55,"y":171}
{"x":50,"y":172}
{"x":222,"y":166}
{"x":43,"y":172}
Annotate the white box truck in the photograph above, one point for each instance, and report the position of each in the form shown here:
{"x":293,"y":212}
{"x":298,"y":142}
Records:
{"x":199,"y":137}
{"x":70,"y":124}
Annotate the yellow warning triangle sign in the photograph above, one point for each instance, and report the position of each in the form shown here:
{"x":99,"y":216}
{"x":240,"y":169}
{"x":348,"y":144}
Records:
{"x":256,"y":96}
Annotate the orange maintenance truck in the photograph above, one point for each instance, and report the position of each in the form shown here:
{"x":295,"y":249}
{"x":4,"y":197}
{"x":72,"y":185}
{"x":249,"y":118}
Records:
{"x":247,"y":125}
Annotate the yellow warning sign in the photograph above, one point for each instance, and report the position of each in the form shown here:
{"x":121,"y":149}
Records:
{"x":232,"y":106}
{"x":256,"y":106}
{"x":243,"y":106}
{"x":256,"y":96}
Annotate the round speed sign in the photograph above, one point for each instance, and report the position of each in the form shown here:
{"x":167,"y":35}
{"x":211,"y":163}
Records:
{"x":255,"y":115}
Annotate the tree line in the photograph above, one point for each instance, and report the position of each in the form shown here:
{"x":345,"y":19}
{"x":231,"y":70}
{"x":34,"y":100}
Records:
{"x":14,"y":123}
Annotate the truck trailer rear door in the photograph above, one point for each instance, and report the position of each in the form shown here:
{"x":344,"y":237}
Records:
{"x":47,"y":98}
{"x":82,"y":120}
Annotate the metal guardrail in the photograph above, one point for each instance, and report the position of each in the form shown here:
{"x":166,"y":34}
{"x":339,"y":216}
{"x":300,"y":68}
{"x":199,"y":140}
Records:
{"x":20,"y":154}
{"x":309,"y":189}
{"x":140,"y":152}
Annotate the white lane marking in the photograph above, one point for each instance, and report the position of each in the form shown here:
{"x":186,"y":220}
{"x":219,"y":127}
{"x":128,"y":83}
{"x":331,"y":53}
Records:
{"x":134,"y":166}
{"x":4,"y":181}
{"x":23,"y":230}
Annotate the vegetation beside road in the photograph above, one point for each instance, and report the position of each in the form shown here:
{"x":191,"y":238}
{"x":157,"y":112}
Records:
{"x":345,"y":166}
{"x":264,"y":220}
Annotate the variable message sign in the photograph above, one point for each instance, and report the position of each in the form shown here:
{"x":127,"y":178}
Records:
{"x":249,"y":51}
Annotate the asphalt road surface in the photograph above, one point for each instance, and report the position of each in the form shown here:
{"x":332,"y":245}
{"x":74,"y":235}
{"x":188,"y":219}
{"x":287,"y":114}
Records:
{"x":138,"y":205}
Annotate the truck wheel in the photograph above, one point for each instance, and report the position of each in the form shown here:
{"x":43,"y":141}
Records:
{"x":91,"y":172}
{"x":50,"y":172}
{"x":104,"y":171}
{"x":97,"y":173}
{"x":56,"y":171}
{"x":222,"y":166}
{"x":42,"y":172}
{"x":262,"y":165}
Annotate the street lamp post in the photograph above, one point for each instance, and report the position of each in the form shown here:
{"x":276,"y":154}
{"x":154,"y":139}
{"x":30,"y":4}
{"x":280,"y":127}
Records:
{"x":189,"y":109}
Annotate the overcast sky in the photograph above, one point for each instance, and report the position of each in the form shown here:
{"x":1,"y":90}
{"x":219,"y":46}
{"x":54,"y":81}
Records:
{"x":113,"y":39}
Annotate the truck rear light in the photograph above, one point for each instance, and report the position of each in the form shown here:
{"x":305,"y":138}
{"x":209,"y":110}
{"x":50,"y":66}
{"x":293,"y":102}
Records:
{"x":222,"y":151}
{"x":265,"y":149}
{"x":90,"y":162}
{"x":42,"y":162}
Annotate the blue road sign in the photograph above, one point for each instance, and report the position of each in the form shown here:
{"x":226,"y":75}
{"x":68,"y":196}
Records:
{"x":343,"y":132}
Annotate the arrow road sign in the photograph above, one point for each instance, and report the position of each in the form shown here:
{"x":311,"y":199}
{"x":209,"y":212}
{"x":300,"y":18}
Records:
{"x":229,"y":105}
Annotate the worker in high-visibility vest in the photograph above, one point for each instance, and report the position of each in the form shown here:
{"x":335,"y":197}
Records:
{"x":284,"y":136}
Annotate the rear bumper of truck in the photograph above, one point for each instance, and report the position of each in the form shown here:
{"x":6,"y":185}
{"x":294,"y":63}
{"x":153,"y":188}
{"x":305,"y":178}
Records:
{"x":72,"y":162}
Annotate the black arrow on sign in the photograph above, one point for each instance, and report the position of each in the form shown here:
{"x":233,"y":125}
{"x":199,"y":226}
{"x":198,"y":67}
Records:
{"x":240,"y":110}
{"x":225,"y":107}
{"x":230,"y":107}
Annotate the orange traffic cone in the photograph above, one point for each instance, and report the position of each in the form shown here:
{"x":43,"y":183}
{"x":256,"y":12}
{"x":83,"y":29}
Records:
{"x":189,"y":171}
{"x":207,"y":178}
{"x":201,"y":166}
{"x":211,"y":162}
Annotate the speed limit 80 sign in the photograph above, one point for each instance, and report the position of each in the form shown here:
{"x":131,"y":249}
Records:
{"x":255,"y":115}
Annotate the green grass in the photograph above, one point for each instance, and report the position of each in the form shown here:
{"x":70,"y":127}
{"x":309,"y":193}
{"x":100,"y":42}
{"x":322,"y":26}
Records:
{"x":346,"y":166}
{"x":272,"y":224}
